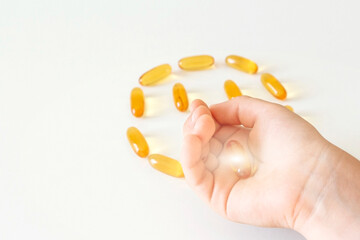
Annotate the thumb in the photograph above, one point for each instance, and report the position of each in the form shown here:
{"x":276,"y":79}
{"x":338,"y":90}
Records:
{"x":241,"y":110}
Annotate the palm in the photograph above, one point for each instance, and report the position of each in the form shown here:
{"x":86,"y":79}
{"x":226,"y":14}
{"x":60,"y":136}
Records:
{"x":268,"y":198}
{"x":239,"y":199}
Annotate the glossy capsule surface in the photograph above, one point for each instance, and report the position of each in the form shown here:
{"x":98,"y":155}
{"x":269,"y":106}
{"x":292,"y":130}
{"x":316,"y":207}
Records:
{"x":155,"y":75}
{"x":241,"y":163}
{"x":242,"y":64}
{"x":231,"y":89}
{"x":200,"y":62}
{"x":137,"y":142}
{"x":180,"y":97}
{"x":166,"y":165}
{"x":273,"y":86}
{"x":137,"y":102}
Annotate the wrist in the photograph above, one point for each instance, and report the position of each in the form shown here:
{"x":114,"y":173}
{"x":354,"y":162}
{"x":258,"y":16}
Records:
{"x":329,"y":205}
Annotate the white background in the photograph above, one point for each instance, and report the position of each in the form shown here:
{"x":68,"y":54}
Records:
{"x":66,"y":71}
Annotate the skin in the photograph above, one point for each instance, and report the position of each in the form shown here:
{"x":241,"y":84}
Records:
{"x":302,"y":182}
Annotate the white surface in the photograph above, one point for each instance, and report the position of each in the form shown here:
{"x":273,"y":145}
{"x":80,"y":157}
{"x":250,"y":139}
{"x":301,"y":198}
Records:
{"x":66,"y":71}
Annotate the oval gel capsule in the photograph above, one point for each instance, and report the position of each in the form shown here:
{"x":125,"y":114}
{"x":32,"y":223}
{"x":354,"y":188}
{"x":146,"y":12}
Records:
{"x":166,"y":165}
{"x":242,"y":164}
{"x":137,"y":142}
{"x":231,"y":89}
{"x":137,"y":102}
{"x":241,"y":63}
{"x":155,"y":75}
{"x":273,"y":86}
{"x":180,"y":97}
{"x":200,"y":62}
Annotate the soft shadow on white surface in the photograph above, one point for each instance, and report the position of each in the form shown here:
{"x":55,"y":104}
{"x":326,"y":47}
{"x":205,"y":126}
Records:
{"x":66,"y":71}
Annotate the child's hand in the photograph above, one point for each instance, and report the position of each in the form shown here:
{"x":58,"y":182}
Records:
{"x":286,"y":147}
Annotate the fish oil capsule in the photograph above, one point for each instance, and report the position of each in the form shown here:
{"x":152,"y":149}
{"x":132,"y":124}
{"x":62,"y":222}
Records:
{"x":290,"y":108}
{"x":154,"y":75}
{"x":166,"y":165}
{"x":137,"y":142}
{"x":240,"y":161}
{"x":180,"y":97}
{"x":196,"y":62}
{"x":241,"y":63}
{"x":273,"y":86}
{"x":231,"y":89}
{"x":137,"y":102}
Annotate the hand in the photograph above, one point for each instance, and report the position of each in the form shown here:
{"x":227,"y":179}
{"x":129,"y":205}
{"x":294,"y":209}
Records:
{"x":285,"y":146}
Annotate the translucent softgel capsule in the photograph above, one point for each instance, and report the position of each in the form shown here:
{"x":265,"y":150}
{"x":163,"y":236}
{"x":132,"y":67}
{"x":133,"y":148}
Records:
{"x":231,"y":89}
{"x":137,"y":142}
{"x":166,"y":165}
{"x":137,"y":102}
{"x":154,"y":75}
{"x":242,"y":64}
{"x":273,"y":86}
{"x":180,"y":97}
{"x":240,"y":161}
{"x":196,"y":62}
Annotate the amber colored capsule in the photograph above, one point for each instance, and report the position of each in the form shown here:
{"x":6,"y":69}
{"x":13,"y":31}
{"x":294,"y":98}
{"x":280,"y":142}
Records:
{"x":137,"y":142}
{"x":180,"y":97}
{"x":290,"y":108}
{"x":231,"y":89}
{"x":273,"y":86}
{"x":241,"y":63}
{"x":242,"y":164}
{"x":154,"y":75}
{"x":196,"y":62}
{"x":166,"y":165}
{"x":137,"y":102}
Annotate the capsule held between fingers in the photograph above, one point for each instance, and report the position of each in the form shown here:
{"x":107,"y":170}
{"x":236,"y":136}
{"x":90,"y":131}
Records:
{"x":137,"y":102}
{"x":242,"y":64}
{"x":155,"y":75}
{"x":273,"y":86}
{"x":180,"y":97}
{"x":166,"y":165}
{"x":137,"y":142}
{"x":240,"y":161}
{"x":200,"y":62}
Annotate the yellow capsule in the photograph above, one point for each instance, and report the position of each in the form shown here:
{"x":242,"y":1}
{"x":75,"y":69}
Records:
{"x":196,"y":62}
{"x":241,"y":63}
{"x":241,"y":162}
{"x":137,"y":102}
{"x":231,"y":89}
{"x":290,"y":108}
{"x":273,"y":86}
{"x":180,"y":97}
{"x":154,"y":75}
{"x":166,"y":165}
{"x":137,"y":142}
